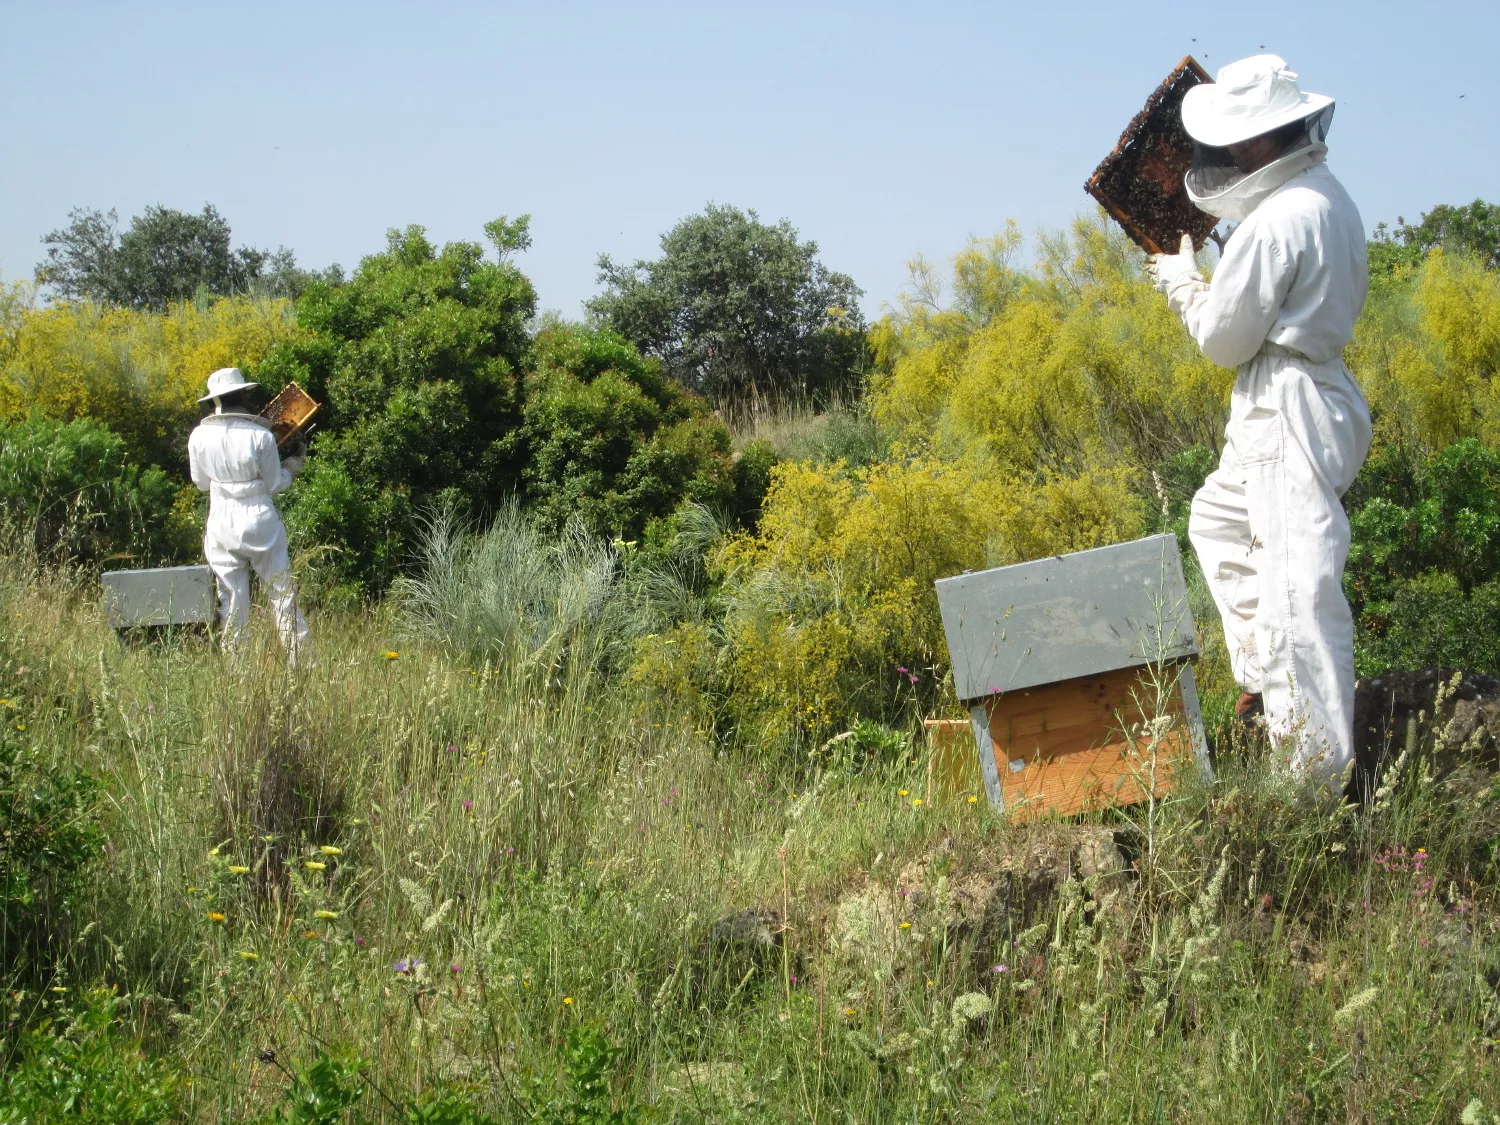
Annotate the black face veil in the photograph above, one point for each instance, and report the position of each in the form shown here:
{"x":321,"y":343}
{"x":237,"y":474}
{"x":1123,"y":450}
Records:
{"x":1214,"y":170}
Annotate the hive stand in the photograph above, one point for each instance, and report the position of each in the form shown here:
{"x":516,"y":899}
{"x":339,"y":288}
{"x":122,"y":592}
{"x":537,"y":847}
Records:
{"x":1077,"y":672}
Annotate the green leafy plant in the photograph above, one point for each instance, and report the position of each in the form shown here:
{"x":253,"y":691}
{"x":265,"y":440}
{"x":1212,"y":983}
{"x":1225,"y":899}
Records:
{"x":84,"y":1067}
{"x":71,"y":492}
{"x":48,"y":832}
{"x":588,"y":1067}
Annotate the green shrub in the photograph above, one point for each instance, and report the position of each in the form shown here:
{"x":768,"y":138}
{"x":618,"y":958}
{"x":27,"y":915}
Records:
{"x":69,"y":492}
{"x":85,"y":1068}
{"x":1410,"y":515}
{"x":612,"y":442}
{"x":1423,"y":576}
{"x":417,"y":361}
{"x":1431,"y":622}
{"x":48,"y":832}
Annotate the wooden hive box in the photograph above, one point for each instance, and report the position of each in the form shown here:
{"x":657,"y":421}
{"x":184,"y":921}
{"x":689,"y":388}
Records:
{"x":1068,"y":665}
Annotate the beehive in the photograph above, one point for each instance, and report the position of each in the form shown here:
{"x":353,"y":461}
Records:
{"x":1140,"y":183}
{"x":173,"y":595}
{"x":1077,"y":674}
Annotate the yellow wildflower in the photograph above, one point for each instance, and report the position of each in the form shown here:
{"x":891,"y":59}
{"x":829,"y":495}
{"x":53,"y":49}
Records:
{"x":906,"y":925}
{"x":329,"y":849}
{"x":916,"y":802}
{"x":324,"y":914}
{"x":391,"y":655}
{"x":311,"y":934}
{"x":215,"y":916}
{"x":314,"y":865}
{"x":973,"y":800}
{"x":567,"y":999}
{"x":248,"y":956}
{"x":236,"y":869}
{"x":901,"y":793}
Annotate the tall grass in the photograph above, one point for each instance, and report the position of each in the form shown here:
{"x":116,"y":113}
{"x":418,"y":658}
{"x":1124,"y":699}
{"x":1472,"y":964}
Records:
{"x":463,"y":839}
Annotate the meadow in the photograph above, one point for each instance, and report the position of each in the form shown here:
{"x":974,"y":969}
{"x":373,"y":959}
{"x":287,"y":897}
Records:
{"x":413,"y":883}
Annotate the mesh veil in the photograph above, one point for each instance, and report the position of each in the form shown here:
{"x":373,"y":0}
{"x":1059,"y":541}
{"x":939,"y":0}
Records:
{"x":1214,"y":170}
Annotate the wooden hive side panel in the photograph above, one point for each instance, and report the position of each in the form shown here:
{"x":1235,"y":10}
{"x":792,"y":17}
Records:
{"x":1077,"y":745}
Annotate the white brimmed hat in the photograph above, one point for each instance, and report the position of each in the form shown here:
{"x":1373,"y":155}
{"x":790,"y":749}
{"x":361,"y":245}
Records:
{"x":1248,"y":98}
{"x":225,"y":380}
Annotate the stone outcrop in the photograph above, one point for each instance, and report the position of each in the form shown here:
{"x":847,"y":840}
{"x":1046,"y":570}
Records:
{"x":1400,"y":711}
{"x":985,"y":897}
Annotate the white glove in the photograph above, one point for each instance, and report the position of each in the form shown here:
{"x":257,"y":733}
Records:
{"x":1177,"y":275}
{"x":293,"y":465}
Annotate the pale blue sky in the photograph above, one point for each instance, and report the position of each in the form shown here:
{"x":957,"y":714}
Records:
{"x":880,"y":130}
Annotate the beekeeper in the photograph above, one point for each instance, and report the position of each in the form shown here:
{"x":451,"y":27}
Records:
{"x":1268,"y":524}
{"x":233,"y":457}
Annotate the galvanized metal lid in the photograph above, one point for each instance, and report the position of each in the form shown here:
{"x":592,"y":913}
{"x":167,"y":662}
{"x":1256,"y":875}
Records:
{"x":1072,"y":615}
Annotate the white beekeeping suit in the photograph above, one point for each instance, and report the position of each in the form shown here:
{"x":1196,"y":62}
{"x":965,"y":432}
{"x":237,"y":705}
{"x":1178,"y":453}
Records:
{"x":1269,"y":525}
{"x":233,"y":457}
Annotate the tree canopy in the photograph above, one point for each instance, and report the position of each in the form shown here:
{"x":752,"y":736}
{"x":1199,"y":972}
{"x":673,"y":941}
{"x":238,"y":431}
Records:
{"x":741,"y":311}
{"x":164,"y":256}
{"x":1473,"y":229}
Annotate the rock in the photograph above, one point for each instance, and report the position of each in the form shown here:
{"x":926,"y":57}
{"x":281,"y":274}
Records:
{"x":985,"y":898}
{"x":1396,"y":711}
{"x":749,"y":929}
{"x":736,"y":951}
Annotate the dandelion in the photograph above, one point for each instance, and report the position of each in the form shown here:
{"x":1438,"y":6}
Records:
{"x":391,"y":655}
{"x":329,"y":849}
{"x":906,"y":925}
{"x":916,"y":802}
{"x":567,"y":1000}
{"x":246,"y":955}
{"x":236,"y":869}
{"x":901,"y":793}
{"x":215,"y":916}
{"x":850,"y":1012}
{"x":314,"y":865}
{"x":20,"y":726}
{"x":973,"y":800}
{"x":330,"y":914}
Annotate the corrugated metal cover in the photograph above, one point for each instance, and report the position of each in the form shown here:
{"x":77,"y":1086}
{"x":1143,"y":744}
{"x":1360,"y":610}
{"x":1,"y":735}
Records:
{"x":1072,"y":615}
{"x":173,"y":595}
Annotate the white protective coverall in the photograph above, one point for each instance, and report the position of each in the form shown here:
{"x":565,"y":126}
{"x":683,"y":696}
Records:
{"x":1268,"y":525}
{"x":233,"y":457}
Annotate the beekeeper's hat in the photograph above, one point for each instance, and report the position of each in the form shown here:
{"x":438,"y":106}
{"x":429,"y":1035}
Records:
{"x":225,"y":380}
{"x":1248,"y":98}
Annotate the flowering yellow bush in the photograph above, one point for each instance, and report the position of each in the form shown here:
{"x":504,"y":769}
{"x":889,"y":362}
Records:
{"x":140,"y":373}
{"x":1427,"y":354}
{"x":831,"y":610}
